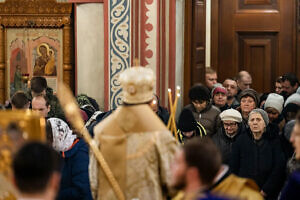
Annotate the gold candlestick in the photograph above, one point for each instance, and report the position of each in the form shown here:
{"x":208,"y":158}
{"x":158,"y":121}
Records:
{"x":173,"y":107}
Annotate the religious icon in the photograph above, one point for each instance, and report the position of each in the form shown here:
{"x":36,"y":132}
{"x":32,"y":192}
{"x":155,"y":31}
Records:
{"x":33,"y":52}
{"x":45,"y":62}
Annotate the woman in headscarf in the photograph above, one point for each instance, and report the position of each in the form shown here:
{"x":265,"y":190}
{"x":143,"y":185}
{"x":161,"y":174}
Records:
{"x":258,"y":155}
{"x":75,"y":178}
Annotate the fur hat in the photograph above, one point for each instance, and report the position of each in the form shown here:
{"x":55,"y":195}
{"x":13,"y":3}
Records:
{"x":199,"y":92}
{"x":274,"y":101}
{"x":137,"y":84}
{"x":231,"y":115}
{"x":251,"y":93}
{"x":187,"y":121}
{"x":263,"y":113}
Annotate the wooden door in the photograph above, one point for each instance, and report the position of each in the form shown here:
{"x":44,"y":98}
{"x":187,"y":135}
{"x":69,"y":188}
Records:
{"x":254,"y":35}
{"x":194,"y":55}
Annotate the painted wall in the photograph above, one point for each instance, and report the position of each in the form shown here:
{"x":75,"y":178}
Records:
{"x":158,"y":31}
{"x":90,"y":50}
{"x":180,"y":49}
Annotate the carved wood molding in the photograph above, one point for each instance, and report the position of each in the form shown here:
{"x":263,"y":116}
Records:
{"x":27,"y":7}
{"x":35,"y":13}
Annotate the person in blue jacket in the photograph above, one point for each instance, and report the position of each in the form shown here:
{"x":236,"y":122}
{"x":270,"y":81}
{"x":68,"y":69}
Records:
{"x":75,"y":177}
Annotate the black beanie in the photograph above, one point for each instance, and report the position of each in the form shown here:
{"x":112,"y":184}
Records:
{"x":199,"y":92}
{"x":187,"y":121}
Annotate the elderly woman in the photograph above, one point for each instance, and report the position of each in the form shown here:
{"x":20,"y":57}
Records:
{"x":75,"y":178}
{"x":228,"y":133}
{"x":248,"y":102}
{"x":257,"y":154}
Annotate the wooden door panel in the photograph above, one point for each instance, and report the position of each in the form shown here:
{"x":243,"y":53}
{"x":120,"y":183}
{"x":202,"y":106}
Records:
{"x":199,"y":42}
{"x":257,"y":36}
{"x":194,"y":44}
{"x":257,"y":54}
{"x":258,"y":4}
{"x":250,"y":23}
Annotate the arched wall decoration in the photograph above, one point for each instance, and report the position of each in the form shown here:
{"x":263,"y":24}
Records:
{"x":45,"y":14}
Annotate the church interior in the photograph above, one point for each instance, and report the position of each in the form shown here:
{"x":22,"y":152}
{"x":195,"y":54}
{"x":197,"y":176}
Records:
{"x":221,"y":75}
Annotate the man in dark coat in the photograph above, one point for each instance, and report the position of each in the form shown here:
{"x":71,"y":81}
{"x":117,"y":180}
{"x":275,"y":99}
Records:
{"x":228,"y":133}
{"x":258,"y":155}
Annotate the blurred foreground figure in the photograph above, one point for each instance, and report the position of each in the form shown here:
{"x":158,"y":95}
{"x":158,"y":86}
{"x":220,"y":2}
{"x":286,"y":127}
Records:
{"x":194,"y":169}
{"x":291,"y":191}
{"x":135,"y":143}
{"x":16,"y":128}
{"x":36,"y":168}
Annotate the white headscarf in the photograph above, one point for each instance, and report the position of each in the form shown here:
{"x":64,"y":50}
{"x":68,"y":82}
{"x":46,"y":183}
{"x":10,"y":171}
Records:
{"x":62,"y":135}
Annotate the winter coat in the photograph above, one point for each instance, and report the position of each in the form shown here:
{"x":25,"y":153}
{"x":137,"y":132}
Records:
{"x":224,"y":143}
{"x":261,"y":160}
{"x":292,"y":165}
{"x":209,"y":118}
{"x":291,"y":191}
{"x":75,"y":175}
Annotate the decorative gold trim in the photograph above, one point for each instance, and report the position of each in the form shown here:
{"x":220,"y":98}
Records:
{"x":37,"y":14}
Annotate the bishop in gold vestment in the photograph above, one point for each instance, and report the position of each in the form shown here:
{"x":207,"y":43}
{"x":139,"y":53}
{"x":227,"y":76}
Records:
{"x":135,"y":143}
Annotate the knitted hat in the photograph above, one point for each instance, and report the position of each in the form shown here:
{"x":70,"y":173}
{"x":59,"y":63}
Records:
{"x":294,"y":98}
{"x":218,"y":88}
{"x":231,"y":115}
{"x":274,"y":101}
{"x":249,"y":92}
{"x":186,"y":121}
{"x":137,"y":84}
{"x":199,"y":92}
{"x":263,"y":113}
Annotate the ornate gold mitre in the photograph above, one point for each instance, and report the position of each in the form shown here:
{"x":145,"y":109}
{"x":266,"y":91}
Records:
{"x":137,"y":84}
{"x":16,"y":127}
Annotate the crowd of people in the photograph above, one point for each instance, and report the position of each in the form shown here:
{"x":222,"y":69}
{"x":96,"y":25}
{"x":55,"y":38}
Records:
{"x":251,"y":130}
{"x":233,"y":143}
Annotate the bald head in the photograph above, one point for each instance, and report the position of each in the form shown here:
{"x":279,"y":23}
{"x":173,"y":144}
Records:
{"x":244,"y":80}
